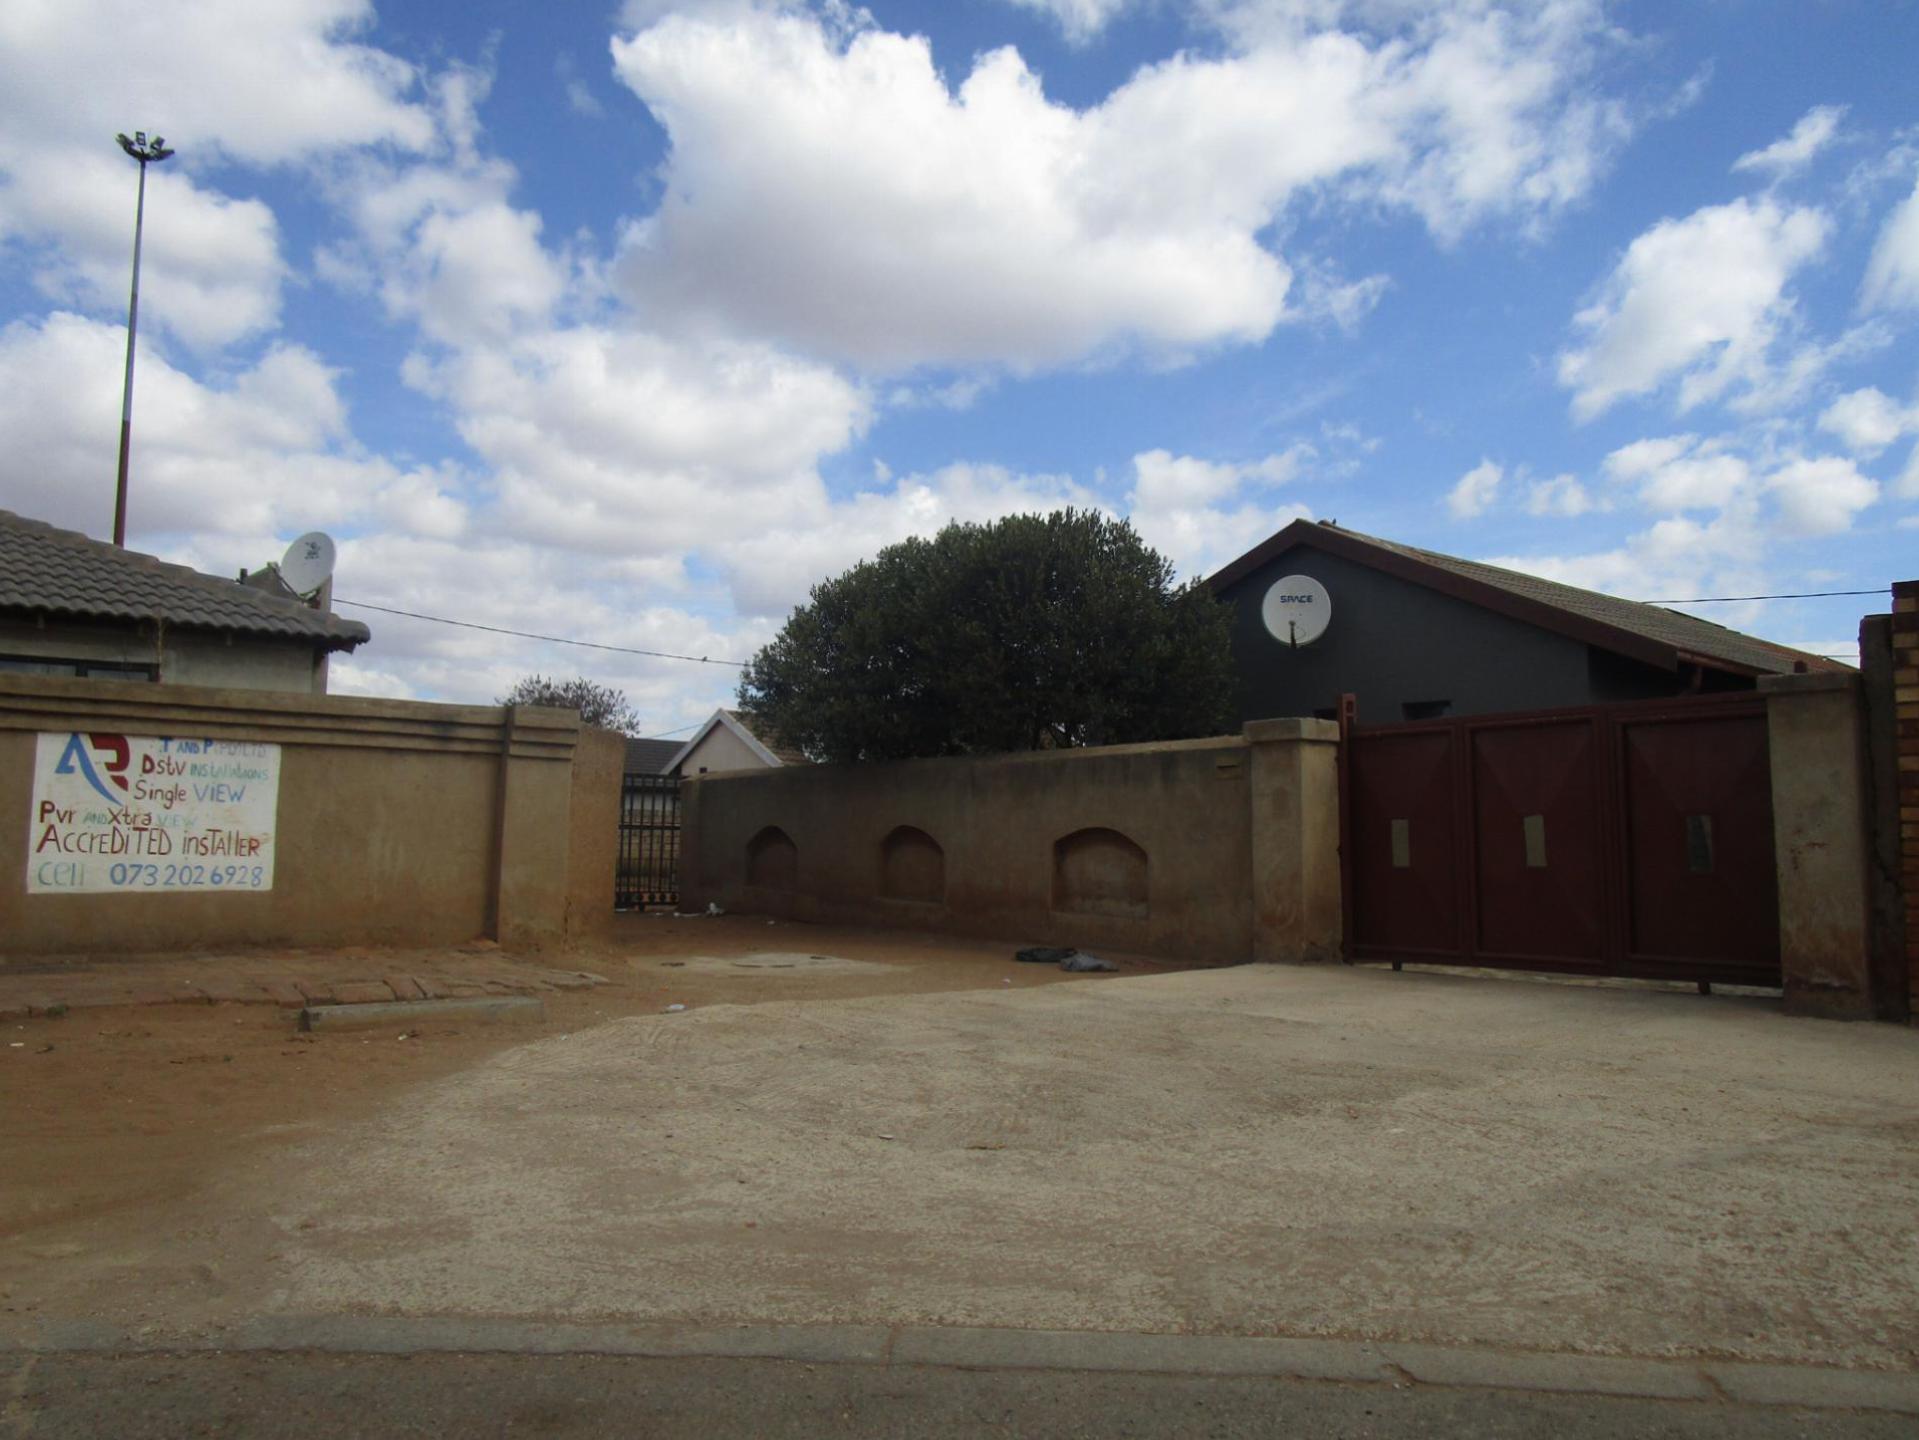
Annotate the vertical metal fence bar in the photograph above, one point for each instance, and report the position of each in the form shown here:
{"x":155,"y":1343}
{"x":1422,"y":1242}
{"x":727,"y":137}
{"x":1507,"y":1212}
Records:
{"x":649,"y":842}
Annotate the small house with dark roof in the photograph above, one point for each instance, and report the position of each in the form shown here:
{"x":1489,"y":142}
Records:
{"x":650,"y":757}
{"x":1417,"y":635}
{"x":732,"y":741}
{"x":71,"y":605}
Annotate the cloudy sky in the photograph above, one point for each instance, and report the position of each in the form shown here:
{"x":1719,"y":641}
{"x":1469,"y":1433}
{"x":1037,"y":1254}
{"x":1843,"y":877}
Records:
{"x":628,"y":323}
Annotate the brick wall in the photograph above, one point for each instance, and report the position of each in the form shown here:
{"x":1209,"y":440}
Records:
{"x":1905,"y":682}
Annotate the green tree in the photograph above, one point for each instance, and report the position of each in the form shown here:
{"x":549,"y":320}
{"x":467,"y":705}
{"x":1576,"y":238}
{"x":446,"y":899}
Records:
{"x":599,"y":705}
{"x":1033,"y":632}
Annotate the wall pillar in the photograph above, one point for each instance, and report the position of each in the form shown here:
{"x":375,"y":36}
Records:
{"x":1294,"y":790}
{"x":1820,"y":844}
{"x":533,"y":819}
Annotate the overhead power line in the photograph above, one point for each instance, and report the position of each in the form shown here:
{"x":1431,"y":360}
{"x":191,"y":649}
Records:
{"x":1797,"y":595}
{"x":530,"y":635}
{"x":741,"y":664}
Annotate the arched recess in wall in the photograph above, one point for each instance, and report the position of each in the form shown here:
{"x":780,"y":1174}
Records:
{"x":772,"y":860}
{"x":1099,"y":872}
{"x":912,"y":866}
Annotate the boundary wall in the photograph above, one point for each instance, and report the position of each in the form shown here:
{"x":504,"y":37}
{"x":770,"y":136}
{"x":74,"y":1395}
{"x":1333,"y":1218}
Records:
{"x":398,"y":822}
{"x":1217,"y":850}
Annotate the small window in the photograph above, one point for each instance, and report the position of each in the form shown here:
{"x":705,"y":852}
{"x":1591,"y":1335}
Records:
{"x":1426,"y":709}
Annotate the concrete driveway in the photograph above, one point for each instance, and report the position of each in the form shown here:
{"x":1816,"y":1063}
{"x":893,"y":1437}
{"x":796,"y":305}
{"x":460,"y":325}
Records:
{"x":1257,"y":1151}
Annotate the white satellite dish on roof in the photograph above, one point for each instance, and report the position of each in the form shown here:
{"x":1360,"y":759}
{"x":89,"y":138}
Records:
{"x":1296,"y":610}
{"x":308,"y":563}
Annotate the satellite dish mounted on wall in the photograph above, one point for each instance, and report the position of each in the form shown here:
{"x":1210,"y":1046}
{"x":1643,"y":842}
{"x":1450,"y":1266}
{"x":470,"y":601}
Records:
{"x":308,"y":563}
{"x":1296,"y":610}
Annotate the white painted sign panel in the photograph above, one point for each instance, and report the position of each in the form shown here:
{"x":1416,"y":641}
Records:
{"x":137,"y":813}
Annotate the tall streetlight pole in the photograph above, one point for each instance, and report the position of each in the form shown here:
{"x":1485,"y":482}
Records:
{"x":145,"y":151}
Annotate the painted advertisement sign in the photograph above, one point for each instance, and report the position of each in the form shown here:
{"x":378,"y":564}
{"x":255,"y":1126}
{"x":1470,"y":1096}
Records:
{"x":138,"y":813}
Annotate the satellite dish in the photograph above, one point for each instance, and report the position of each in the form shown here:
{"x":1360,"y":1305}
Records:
{"x":308,"y":563}
{"x":1296,"y":610}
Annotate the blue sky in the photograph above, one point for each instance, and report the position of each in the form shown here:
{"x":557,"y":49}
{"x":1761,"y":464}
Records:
{"x":630,"y":322}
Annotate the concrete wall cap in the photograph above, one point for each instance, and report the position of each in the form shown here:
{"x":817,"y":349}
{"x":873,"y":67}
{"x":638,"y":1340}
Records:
{"x":1292,"y":727}
{"x":1811,"y":684}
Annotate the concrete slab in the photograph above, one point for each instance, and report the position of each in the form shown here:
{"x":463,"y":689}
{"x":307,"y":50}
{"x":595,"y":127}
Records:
{"x":483,"y":1009}
{"x":987,"y":1348}
{"x":1318,"y":1153}
{"x":797,"y":961}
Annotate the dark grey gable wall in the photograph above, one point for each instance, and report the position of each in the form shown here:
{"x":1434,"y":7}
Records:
{"x":1392,"y":642}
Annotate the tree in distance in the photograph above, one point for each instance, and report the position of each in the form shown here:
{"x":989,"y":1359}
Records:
{"x":599,"y":705}
{"x":1030,"y":633}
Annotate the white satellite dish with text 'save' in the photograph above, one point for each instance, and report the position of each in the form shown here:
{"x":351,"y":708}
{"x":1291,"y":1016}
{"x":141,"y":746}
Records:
{"x":1296,"y":610}
{"x":308,"y":563}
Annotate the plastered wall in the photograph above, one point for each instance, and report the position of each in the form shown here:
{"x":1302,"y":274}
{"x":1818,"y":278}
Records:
{"x":398,"y":823}
{"x":1156,"y":849}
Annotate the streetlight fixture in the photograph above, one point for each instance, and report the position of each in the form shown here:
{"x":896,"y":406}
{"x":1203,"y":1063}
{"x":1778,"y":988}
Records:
{"x":146,"y":152}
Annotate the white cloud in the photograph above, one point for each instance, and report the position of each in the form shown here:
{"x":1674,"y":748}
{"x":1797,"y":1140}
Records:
{"x":1793,"y":152}
{"x":771,"y":570}
{"x":266,"y":454}
{"x":1820,"y":496}
{"x":1475,"y":490}
{"x":1080,"y":19}
{"x":210,"y":269}
{"x":264,"y":84}
{"x":1892,"y":275}
{"x":579,"y":95}
{"x":1701,"y":299}
{"x":222,"y":80}
{"x":617,"y":441}
{"x":1324,"y":295}
{"x":1907,"y":487}
{"x":1202,"y":513}
{"x":1679,"y":472}
{"x":826,"y":187}
{"x":1868,"y":420}
{"x":1562,"y":495}
{"x":1674,"y":558}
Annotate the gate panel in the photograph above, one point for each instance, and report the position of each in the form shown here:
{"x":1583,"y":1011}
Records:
{"x":649,"y":868}
{"x":1620,"y":839}
{"x":1539,"y":892}
{"x":1701,"y":879}
{"x":1405,"y":844}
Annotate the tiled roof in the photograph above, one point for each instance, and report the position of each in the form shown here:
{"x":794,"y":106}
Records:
{"x":787,"y":754}
{"x":50,"y":571}
{"x":650,"y":757}
{"x":1671,"y":627}
{"x":1674,"y":630}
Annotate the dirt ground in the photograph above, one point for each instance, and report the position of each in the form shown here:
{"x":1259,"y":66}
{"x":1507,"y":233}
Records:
{"x":1316,"y":1151}
{"x":121,"y":1109}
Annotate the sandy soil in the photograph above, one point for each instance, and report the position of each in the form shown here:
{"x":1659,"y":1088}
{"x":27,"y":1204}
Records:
{"x":1316,"y":1151}
{"x":124,"y":1109}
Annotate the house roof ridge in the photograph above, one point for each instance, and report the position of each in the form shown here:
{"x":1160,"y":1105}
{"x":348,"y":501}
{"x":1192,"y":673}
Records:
{"x":100,"y":580}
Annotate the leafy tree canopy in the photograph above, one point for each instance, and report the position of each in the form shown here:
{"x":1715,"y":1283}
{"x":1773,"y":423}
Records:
{"x":1033,"y":632}
{"x":599,"y":705}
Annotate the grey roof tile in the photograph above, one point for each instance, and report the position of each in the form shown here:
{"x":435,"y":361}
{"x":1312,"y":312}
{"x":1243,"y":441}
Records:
{"x":1656,"y":622}
{"x":650,"y":757}
{"x":49,"y":571}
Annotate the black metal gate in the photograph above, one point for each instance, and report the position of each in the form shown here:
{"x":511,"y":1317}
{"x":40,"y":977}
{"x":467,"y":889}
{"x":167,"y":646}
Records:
{"x":649,"y":870}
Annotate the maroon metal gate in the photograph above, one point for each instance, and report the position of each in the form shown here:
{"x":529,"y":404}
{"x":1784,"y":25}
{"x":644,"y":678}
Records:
{"x":1611,"y":840}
